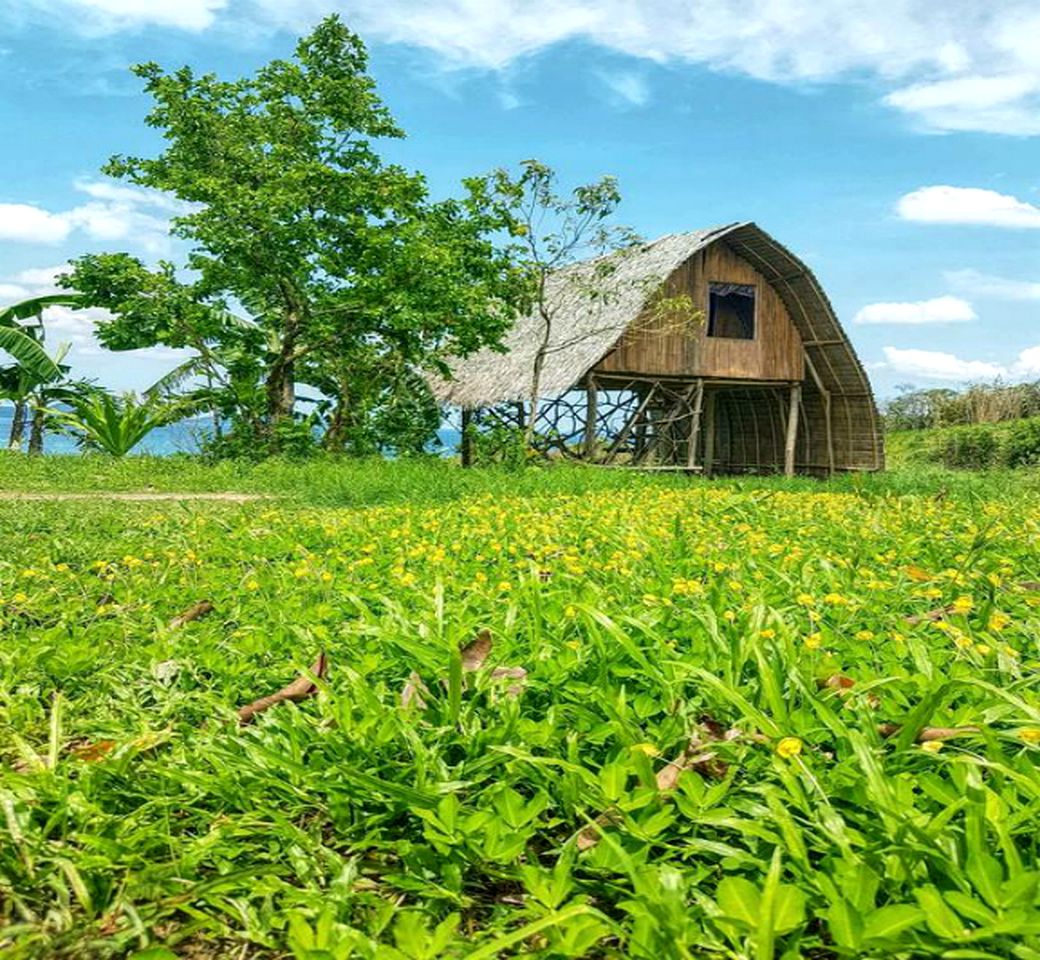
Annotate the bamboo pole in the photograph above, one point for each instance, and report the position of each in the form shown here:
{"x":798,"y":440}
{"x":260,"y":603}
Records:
{"x":792,"y":429}
{"x":591,"y":400}
{"x":709,"y":432}
{"x":695,"y":426}
{"x":466,"y":445}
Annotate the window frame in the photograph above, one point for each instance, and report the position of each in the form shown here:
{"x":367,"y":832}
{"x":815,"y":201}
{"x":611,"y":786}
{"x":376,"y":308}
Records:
{"x":754,"y":312}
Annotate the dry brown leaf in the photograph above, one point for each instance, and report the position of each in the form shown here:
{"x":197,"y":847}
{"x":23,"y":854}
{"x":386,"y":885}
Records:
{"x":925,"y":734}
{"x":411,"y":693}
{"x":195,"y":612}
{"x":697,"y":756}
{"x":301,"y":688}
{"x":516,"y":674}
{"x":589,"y":836}
{"x":838,"y":682}
{"x":92,"y":752}
{"x":916,"y":573}
{"x":476,"y":651}
{"x":1030,"y":585}
{"x":939,"y":613}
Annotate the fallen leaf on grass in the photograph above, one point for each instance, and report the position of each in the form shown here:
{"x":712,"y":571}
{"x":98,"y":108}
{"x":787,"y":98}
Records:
{"x":697,"y":756}
{"x":195,"y":612}
{"x":476,"y":651}
{"x":517,"y":674}
{"x":1030,"y":585}
{"x":927,"y":734}
{"x":939,"y":613}
{"x":842,"y":687}
{"x":916,"y":573}
{"x":301,"y":688}
{"x":413,"y":691}
{"x":91,"y":752}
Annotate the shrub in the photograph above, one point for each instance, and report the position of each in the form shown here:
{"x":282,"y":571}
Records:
{"x":1021,"y":445}
{"x":974,"y":447}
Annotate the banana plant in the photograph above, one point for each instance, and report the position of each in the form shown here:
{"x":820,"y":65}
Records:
{"x":22,"y":336}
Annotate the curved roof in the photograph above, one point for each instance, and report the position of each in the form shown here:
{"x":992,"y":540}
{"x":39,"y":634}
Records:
{"x":585,"y":329}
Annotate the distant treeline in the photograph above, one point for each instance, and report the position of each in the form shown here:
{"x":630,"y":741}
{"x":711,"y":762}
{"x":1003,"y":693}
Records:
{"x":994,"y":402}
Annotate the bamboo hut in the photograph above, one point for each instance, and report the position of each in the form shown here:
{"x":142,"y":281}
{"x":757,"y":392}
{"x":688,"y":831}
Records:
{"x":763,"y":378}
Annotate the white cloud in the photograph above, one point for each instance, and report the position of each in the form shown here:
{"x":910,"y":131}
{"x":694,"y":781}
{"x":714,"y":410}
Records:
{"x":935,"y":365}
{"x":955,"y":65}
{"x":939,"y":310}
{"x":115,"y":214}
{"x":106,"y":16}
{"x":986,"y":285}
{"x":959,"y":65}
{"x":25,"y":223}
{"x":627,"y":87}
{"x":969,"y":205}
{"x":42,"y":276}
{"x":12,"y":293}
{"x":1028,"y":363}
{"x":1008,"y":103}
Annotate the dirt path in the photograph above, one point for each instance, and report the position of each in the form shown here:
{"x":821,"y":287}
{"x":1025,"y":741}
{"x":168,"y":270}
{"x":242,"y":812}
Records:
{"x":129,"y":495}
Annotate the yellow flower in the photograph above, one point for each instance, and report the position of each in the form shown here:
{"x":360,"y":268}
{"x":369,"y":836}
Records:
{"x":1029,"y":734}
{"x":932,"y":746}
{"x":326,"y":577}
{"x":998,"y":621}
{"x":813,"y":641}
{"x":19,"y":598}
{"x":505,"y":586}
{"x":729,"y":616}
{"x":962,"y":605}
{"x":648,"y":748}
{"x":767,"y":634}
{"x":804,"y":598}
{"x":789,"y":747}
{"x":865,"y":635}
{"x":252,"y":585}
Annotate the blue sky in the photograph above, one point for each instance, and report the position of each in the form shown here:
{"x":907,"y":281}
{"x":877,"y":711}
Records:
{"x":897,"y":150}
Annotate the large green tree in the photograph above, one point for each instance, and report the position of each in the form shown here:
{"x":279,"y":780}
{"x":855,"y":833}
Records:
{"x":298,"y":227}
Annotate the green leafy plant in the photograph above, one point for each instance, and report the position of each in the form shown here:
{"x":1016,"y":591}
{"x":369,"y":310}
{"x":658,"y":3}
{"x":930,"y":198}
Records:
{"x":114,"y":424}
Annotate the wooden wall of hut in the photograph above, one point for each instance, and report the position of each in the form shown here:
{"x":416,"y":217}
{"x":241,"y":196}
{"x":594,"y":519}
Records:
{"x":662,"y":346}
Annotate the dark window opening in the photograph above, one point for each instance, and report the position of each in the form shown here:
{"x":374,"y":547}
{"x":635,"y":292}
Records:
{"x":731,"y":311}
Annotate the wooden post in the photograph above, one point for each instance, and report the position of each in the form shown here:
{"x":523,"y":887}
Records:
{"x":695,"y":426}
{"x":466,"y":445}
{"x":792,"y":429}
{"x":709,"y":432}
{"x":830,"y":433}
{"x":590,"y":417}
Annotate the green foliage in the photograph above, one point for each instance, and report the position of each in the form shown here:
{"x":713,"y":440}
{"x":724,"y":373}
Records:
{"x":982,"y":446}
{"x":291,"y":213}
{"x":114,"y":425}
{"x":21,"y":336}
{"x":980,"y":403}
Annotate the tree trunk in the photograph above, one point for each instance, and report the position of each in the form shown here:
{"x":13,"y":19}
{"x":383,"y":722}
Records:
{"x":39,"y":419}
{"x":539,"y":364}
{"x":14,"y":441}
{"x":336,"y":434}
{"x":281,"y":380}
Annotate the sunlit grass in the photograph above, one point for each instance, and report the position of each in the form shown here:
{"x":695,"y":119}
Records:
{"x":645,"y":612}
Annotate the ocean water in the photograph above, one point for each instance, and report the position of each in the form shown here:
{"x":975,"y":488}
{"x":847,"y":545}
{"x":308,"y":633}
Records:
{"x":182,"y":437}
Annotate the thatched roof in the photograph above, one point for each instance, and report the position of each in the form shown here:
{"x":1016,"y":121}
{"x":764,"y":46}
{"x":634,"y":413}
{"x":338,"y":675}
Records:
{"x":583,"y":335}
{"x":584,"y":330}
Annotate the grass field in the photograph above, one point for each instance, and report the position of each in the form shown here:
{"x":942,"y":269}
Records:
{"x":564,"y":713}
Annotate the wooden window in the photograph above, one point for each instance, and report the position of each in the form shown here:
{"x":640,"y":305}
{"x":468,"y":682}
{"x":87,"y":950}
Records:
{"x":731,"y":311}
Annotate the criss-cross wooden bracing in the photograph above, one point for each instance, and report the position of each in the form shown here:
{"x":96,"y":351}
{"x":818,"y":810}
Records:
{"x":765,"y":380}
